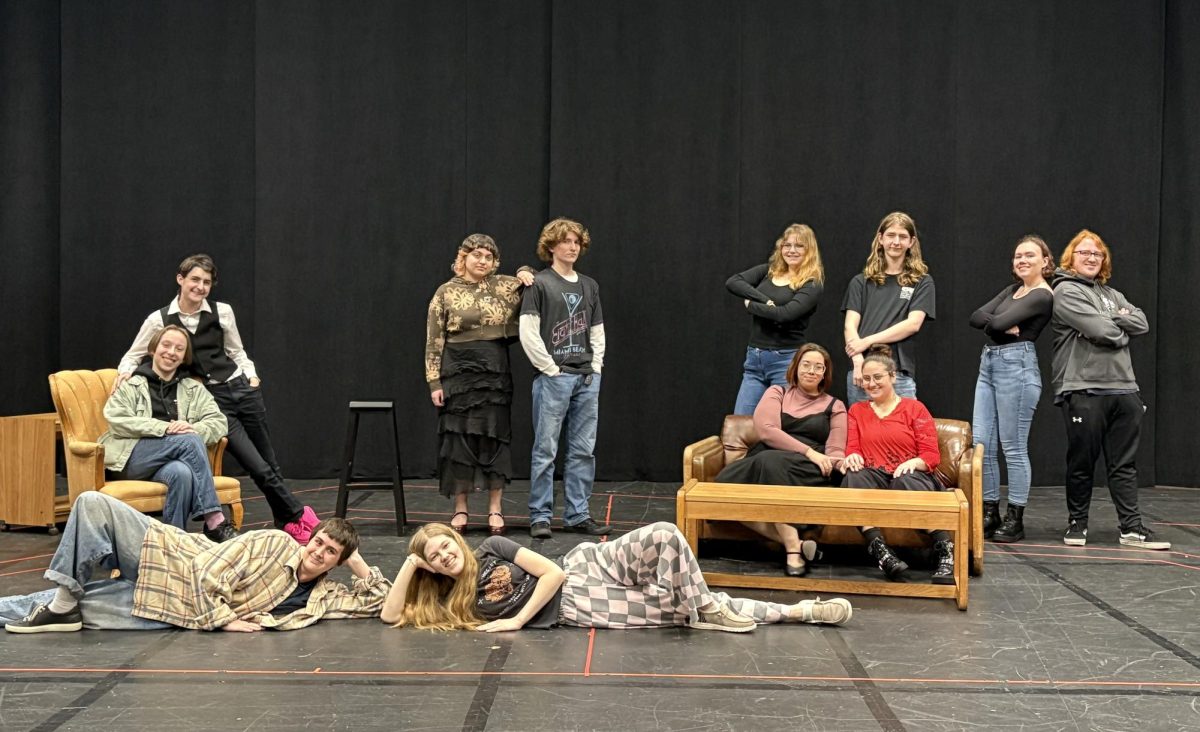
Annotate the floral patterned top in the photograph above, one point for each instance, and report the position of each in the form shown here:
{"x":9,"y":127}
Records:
{"x":469,"y":311}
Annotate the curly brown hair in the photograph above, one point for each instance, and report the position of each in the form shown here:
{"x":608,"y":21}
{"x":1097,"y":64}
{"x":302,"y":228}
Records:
{"x":555,"y":232}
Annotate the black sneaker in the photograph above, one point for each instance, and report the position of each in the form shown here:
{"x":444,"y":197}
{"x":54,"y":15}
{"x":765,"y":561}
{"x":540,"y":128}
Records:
{"x":893,"y":566}
{"x":41,"y":620}
{"x":540,"y":530}
{"x":1143,"y":538}
{"x":944,"y":573}
{"x":590,"y":527}
{"x":1076,"y":534}
{"x":224,"y":532}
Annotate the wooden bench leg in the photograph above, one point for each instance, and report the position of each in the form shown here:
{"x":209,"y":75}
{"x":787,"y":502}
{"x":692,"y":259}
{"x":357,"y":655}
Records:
{"x":962,"y":554}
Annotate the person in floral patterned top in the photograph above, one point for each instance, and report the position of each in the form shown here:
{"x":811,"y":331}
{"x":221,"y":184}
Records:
{"x":472,"y":320}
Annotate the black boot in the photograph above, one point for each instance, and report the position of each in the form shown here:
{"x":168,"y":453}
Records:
{"x":991,"y":518}
{"x":893,"y":566}
{"x":1013,"y":528}
{"x":944,"y":574}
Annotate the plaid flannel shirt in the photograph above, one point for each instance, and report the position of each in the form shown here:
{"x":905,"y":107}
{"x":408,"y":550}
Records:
{"x":191,"y":582}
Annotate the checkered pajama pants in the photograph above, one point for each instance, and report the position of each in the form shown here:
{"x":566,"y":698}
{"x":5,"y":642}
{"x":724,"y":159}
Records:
{"x":647,"y":578}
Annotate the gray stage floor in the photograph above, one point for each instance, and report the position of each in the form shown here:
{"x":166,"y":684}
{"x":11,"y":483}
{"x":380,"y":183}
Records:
{"x":1100,"y":638}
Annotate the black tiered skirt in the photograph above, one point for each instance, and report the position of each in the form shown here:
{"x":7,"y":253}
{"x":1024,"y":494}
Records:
{"x":474,"y":426}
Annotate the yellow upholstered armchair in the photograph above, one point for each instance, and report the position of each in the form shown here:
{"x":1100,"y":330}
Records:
{"x":79,"y":398}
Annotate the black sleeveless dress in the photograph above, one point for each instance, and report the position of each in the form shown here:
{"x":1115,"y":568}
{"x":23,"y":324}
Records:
{"x":766,"y":465}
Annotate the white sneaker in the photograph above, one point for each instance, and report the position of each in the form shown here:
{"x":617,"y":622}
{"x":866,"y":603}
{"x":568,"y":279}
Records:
{"x":1143,"y":538}
{"x":724,"y":619}
{"x":835,"y":611}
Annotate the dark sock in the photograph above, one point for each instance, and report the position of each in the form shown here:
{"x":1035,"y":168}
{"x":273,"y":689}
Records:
{"x":940,"y":535}
{"x":871,"y":534}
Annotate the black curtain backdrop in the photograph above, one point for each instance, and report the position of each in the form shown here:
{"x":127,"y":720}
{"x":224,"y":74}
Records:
{"x":332,"y":156}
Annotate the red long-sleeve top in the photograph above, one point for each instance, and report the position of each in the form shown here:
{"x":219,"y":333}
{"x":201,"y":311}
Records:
{"x":908,"y":432}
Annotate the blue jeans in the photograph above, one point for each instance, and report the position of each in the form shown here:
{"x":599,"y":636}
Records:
{"x":1006,"y":396}
{"x":101,"y":533}
{"x":180,"y":461}
{"x":906,"y":386}
{"x":763,"y":369}
{"x":572,"y":400}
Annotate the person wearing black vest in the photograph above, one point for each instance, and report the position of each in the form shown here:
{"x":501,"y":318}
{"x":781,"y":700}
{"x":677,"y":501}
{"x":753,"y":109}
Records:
{"x":219,"y":359}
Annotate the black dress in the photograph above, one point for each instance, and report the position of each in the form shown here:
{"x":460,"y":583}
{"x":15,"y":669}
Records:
{"x":474,"y":427}
{"x":768,"y":466}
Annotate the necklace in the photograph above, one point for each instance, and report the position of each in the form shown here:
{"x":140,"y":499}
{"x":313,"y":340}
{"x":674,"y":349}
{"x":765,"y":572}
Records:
{"x":887,"y":409}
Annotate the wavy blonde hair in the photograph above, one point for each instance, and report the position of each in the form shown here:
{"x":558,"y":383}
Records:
{"x":1068,"y":256}
{"x":436,"y":601}
{"x":556,"y":231}
{"x":810,"y":268}
{"x":914,"y":267}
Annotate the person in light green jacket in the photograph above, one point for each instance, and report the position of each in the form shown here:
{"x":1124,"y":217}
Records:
{"x":159,"y":424}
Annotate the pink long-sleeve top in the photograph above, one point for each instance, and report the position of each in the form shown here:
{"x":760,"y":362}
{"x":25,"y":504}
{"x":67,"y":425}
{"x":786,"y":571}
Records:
{"x":794,"y":402}
{"x":906,"y":433}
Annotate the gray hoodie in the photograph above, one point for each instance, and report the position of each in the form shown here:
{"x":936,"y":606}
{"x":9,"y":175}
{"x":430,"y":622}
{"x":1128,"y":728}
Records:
{"x":1091,"y":338}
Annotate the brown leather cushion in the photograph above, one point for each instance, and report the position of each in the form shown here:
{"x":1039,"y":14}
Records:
{"x":131,"y":490}
{"x":738,"y":436}
{"x":954,"y":439}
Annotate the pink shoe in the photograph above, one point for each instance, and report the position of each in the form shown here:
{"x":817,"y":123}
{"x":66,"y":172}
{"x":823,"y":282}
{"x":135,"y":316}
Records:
{"x":302,"y":528}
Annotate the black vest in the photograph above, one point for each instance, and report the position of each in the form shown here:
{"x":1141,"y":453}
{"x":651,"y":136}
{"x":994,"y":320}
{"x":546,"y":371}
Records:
{"x":209,"y":360}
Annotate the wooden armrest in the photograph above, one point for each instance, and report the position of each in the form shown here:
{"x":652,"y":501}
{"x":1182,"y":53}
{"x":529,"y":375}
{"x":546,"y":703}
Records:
{"x":704,"y":459}
{"x":216,"y":455}
{"x":85,"y":467}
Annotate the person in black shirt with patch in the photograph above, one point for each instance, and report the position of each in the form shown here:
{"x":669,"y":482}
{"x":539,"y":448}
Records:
{"x":888,"y":303}
{"x":648,"y":578}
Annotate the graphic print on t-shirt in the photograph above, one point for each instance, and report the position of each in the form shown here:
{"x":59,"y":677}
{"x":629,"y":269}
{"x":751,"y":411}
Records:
{"x":499,"y":585}
{"x":562,"y":335}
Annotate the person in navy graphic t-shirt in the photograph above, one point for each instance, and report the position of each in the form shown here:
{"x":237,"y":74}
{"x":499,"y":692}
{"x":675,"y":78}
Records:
{"x":562,"y":332}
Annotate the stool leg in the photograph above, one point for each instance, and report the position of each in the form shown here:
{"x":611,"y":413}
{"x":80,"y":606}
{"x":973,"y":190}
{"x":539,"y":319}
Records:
{"x":347,"y":465}
{"x":398,"y":480}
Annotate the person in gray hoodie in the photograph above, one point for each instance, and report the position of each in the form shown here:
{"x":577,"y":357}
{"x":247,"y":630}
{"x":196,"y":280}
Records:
{"x":1096,"y":389}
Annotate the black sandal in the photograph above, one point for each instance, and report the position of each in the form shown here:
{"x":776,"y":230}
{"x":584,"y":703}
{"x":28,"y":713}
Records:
{"x":462,"y":528}
{"x":791,"y":571}
{"x":497,"y":530}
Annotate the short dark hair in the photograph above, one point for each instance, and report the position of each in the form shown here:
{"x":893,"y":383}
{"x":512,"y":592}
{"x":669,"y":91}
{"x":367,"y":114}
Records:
{"x":203,"y":261}
{"x":341,"y":531}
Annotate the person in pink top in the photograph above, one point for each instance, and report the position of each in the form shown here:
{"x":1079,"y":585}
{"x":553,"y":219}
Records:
{"x":891,"y":443}
{"x":802,"y":438}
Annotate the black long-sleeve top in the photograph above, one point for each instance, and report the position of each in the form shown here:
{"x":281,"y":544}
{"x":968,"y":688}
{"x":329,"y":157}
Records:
{"x":1030,"y":313}
{"x":782,"y":325}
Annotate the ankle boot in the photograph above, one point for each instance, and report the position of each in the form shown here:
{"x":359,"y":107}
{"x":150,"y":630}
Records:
{"x":944,"y":573}
{"x":1013,"y":528}
{"x":893,"y":566}
{"x":991,"y":518}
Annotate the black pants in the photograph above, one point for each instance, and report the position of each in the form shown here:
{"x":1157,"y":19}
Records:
{"x":879,"y":478}
{"x":250,"y":443}
{"x":1112,"y":423}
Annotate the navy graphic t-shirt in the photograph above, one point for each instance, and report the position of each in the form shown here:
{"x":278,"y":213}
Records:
{"x":567,"y":310}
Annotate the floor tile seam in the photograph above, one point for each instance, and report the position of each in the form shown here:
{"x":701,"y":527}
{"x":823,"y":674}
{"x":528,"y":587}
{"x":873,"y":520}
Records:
{"x":164,"y":675}
{"x":867,"y":689}
{"x":1166,"y":644}
{"x":103,"y":686}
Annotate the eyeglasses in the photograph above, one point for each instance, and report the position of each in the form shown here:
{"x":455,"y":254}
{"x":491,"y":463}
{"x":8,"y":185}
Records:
{"x":811,"y":368}
{"x":1089,"y":255}
{"x":874,"y":378}
{"x":789,"y":245}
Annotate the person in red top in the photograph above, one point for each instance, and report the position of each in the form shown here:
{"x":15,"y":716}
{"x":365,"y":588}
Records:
{"x":891,"y":443}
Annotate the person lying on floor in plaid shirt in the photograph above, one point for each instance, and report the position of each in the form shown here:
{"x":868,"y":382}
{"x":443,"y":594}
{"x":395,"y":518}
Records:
{"x":169,"y":578}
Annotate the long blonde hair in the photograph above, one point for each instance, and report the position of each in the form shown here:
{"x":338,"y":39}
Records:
{"x":436,"y":601}
{"x":810,"y":268}
{"x":914,"y":267}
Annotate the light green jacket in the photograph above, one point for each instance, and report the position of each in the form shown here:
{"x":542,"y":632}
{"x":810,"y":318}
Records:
{"x":130,"y":419}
